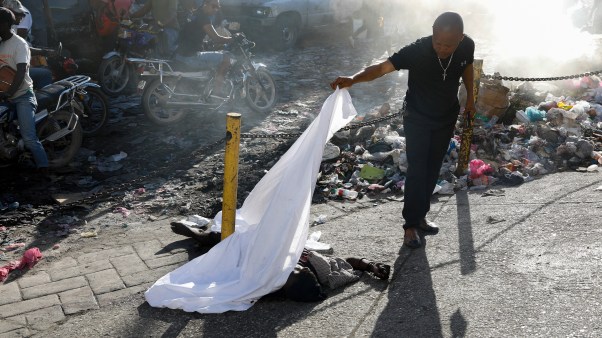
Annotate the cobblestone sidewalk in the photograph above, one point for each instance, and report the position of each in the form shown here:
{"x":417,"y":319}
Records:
{"x":76,"y":283}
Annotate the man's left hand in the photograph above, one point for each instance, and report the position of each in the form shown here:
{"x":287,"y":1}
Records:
{"x":470,"y":109}
{"x":469,"y":112}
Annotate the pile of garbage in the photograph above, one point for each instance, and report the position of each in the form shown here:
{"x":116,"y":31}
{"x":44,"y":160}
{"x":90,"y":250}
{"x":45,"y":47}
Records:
{"x":519,"y":134}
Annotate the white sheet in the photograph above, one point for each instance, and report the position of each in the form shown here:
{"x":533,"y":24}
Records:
{"x":271,"y":230}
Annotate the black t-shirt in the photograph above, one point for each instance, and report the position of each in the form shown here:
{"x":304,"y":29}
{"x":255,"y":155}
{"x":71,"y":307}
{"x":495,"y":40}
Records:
{"x":192,"y":34}
{"x":430,"y":100}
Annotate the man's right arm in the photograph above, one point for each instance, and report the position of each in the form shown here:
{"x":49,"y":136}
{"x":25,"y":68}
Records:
{"x":17,"y":81}
{"x":366,"y":75}
{"x":373,"y":72}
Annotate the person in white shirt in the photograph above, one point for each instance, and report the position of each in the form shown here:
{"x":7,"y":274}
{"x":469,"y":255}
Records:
{"x":41,"y":76}
{"x":14,"y":53}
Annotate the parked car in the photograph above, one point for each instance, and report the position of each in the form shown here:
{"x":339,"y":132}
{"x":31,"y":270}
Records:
{"x":278,"y":23}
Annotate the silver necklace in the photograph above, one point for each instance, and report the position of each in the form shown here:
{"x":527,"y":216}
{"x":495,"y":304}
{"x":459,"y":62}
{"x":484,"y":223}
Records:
{"x":445,"y":69}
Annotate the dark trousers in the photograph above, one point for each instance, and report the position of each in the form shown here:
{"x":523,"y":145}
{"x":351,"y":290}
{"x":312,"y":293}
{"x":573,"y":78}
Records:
{"x":425,"y":148}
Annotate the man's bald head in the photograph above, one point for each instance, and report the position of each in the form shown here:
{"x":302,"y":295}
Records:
{"x":448,"y":32}
{"x":448,"y":22}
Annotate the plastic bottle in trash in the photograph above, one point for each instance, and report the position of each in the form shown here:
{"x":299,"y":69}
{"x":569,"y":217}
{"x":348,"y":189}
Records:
{"x":347,"y":194}
{"x":597,"y":156}
{"x":118,"y":157}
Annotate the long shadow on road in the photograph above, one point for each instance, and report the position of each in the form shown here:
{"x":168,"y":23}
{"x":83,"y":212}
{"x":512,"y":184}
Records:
{"x":411,"y":309}
{"x":544,"y":205}
{"x":265,"y":319}
{"x":465,"y":237}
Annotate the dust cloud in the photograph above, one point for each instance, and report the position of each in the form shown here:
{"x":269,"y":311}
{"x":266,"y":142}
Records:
{"x":525,"y":38}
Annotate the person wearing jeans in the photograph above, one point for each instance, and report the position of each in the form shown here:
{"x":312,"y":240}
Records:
{"x":14,"y":53}
{"x":40,"y":76}
{"x":26,"y":106}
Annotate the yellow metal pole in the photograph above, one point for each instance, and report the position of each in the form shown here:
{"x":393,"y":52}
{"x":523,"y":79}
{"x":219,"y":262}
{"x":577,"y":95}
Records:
{"x":230,"y":174}
{"x":467,"y":131}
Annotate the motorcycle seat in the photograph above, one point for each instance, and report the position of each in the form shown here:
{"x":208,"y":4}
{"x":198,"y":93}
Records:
{"x":180,"y":66}
{"x":50,"y":94}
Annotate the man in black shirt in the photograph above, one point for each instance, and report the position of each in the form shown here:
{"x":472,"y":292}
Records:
{"x":190,"y":47}
{"x":435,"y":63}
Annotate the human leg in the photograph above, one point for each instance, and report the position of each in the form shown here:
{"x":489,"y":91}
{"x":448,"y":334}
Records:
{"x":171,"y":36}
{"x":440,"y":139}
{"x":202,"y":60}
{"x":360,"y":30}
{"x":40,"y":76}
{"x":204,"y":238}
{"x":220,"y":75}
{"x":26,"y":105}
{"x":209,"y":60}
{"x":418,"y":140}
{"x":379,"y":270}
{"x":372,"y":25}
{"x":439,"y":144}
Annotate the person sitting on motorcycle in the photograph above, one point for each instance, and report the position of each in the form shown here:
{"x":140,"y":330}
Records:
{"x":41,"y":76}
{"x":165,"y":13}
{"x":190,"y":50}
{"x":14,"y":53}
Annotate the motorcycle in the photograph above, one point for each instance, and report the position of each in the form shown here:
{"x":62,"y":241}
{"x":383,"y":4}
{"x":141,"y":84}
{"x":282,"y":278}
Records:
{"x":57,"y":124}
{"x":134,"y":40}
{"x":91,"y":102}
{"x":168,"y":94}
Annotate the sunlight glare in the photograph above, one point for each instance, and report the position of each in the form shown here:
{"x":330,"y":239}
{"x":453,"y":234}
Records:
{"x":537,"y":29}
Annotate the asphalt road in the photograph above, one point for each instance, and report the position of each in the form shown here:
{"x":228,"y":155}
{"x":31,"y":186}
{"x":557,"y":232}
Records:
{"x":523,"y":263}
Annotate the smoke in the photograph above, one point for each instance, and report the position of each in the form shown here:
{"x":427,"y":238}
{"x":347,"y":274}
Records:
{"x":525,"y":38}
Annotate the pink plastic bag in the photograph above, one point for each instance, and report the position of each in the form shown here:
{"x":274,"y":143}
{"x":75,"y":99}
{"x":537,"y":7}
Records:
{"x":121,"y":210}
{"x":30,"y":258}
{"x":479,"y":168}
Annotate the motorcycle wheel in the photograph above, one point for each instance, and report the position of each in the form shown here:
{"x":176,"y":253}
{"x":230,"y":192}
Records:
{"x":261,"y":99}
{"x":61,"y":151}
{"x":113,"y":81}
{"x":95,"y":113}
{"x":155,"y":97}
